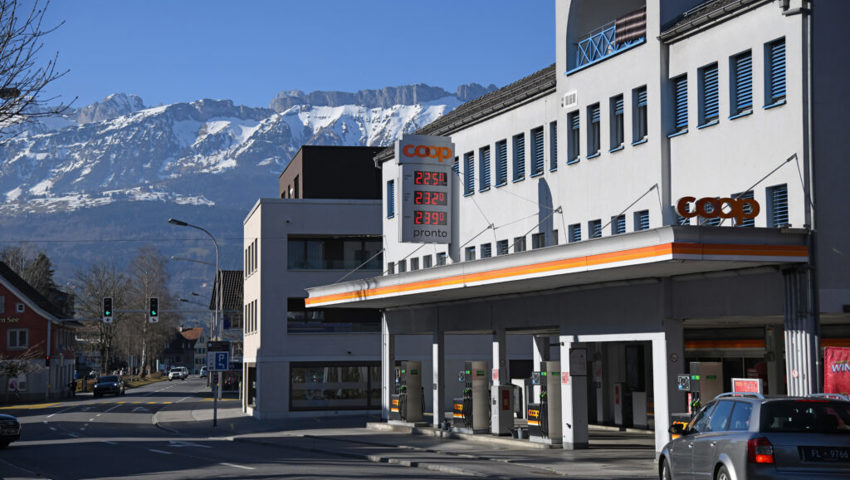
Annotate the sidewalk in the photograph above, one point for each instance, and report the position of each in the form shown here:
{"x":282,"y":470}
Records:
{"x":613,"y":454}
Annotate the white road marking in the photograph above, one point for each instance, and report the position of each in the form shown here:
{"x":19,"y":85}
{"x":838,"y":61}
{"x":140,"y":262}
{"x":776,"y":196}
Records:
{"x":159,"y":451}
{"x":139,"y":409}
{"x":53,"y":429}
{"x":73,"y":435}
{"x":99,"y":414}
{"x":110,"y":443}
{"x":179,"y":444}
{"x":91,"y":419}
{"x":237,"y":466}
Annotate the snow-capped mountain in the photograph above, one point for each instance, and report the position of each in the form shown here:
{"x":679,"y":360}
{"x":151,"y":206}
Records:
{"x":83,"y":173}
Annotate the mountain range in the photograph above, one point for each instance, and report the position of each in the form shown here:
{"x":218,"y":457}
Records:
{"x":100,"y":181}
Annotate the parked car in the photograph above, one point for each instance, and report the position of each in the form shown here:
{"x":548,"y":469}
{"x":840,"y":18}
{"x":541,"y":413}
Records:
{"x":743,"y":436}
{"x":203,"y":372}
{"x":108,"y":384}
{"x":10,"y":430}
{"x":179,"y":373}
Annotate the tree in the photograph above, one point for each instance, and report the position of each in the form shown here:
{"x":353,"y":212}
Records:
{"x":90,"y":286}
{"x":21,"y":364}
{"x":23,"y":75}
{"x":37,"y":270}
{"x":148,"y":278}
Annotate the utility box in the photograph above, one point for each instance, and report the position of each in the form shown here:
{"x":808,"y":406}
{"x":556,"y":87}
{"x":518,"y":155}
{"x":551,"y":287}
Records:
{"x":501,"y":409}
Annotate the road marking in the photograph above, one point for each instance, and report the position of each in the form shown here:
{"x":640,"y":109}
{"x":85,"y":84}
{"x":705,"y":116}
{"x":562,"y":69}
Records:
{"x":179,"y":444}
{"x":73,"y":435}
{"x":109,"y":443}
{"x":91,"y":420}
{"x":152,"y":403}
{"x":159,"y":451}
{"x":99,"y":414}
{"x":237,"y":466}
{"x":52,"y":429}
{"x":139,"y":409}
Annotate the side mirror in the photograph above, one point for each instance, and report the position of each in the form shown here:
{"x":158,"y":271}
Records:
{"x":677,"y":429}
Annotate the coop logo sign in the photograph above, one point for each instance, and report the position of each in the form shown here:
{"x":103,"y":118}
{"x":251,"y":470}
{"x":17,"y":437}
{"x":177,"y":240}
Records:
{"x":428,"y":151}
{"x":738,"y":208}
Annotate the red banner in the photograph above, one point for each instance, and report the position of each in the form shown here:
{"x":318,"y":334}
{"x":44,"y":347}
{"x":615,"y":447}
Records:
{"x":836,"y":366}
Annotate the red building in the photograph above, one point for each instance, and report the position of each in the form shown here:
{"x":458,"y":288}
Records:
{"x":38,"y":338}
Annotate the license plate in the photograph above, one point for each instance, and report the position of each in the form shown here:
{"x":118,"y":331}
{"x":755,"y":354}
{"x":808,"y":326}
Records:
{"x":826,"y":454}
{"x":10,"y":431}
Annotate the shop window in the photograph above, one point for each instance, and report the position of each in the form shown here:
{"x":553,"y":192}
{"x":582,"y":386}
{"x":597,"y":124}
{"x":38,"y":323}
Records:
{"x":329,"y":320}
{"x":334,"y":386}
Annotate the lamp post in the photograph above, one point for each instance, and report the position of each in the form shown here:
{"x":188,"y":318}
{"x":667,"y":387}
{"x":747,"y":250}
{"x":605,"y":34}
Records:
{"x":218,"y":306}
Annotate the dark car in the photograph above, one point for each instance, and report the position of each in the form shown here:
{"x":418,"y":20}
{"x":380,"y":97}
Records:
{"x":10,"y":430}
{"x":108,"y":384}
{"x":750,"y":437}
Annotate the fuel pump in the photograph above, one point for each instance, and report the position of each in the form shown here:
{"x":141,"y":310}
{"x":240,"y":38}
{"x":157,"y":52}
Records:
{"x":470,"y":412}
{"x":544,"y":415}
{"x":406,"y":399}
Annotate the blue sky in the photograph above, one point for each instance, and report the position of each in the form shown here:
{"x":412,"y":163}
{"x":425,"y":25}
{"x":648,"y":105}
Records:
{"x":247,"y":51}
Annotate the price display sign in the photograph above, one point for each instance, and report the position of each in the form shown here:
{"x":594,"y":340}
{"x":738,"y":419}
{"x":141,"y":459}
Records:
{"x":426,"y":188}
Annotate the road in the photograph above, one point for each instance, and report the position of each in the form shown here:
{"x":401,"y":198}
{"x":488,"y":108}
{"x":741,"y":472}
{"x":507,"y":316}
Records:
{"x":114,"y":437}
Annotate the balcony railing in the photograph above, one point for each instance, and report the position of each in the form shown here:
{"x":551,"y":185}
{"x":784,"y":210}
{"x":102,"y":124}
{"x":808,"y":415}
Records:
{"x":611,"y":38}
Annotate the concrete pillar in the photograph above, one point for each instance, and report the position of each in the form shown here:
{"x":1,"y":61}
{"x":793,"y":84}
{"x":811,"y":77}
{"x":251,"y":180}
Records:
{"x":573,"y":394}
{"x":387,"y":366}
{"x":438,"y":372}
{"x":801,"y":334}
{"x":500,"y":355}
{"x":667,"y":363}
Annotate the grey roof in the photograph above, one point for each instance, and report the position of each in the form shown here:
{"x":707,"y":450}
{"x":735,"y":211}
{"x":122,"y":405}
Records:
{"x":704,"y":13}
{"x":542,"y":81}
{"x":232,"y":294}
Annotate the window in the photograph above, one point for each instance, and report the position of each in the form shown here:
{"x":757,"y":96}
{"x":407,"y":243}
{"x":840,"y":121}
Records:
{"x":616,"y":105}
{"x":330,"y":320}
{"x":748,"y":222}
{"x":537,"y":152}
{"x":402,"y":266}
{"x":519,"y":244}
{"x":502,"y":247}
{"x":594,"y":228}
{"x":333,"y":253}
{"x":390,"y":198}
{"x":639,"y":119}
{"x":642,"y":220}
{"x":719,"y":420}
{"x":414,"y":264}
{"x":20,"y":308}
{"x":554,"y":239}
{"x":573,"y":147}
{"x":742,"y":84}
{"x":775,"y":72}
{"x":593,"y":131}
{"x":469,"y":254}
{"x":711,"y":222}
{"x":295,"y":188}
{"x":426,"y":261}
{"x":441,"y":258}
{"x":553,"y":146}
{"x":456,"y":167}
{"x":17,"y":338}
{"x":2,"y":304}
{"x":468,"y":173}
{"x":574,"y":232}
{"x":538,"y":240}
{"x":709,"y":95}
{"x":334,"y":386}
{"x":519,"y":157}
{"x":680,"y":104}
{"x":740,"y":419}
{"x":618,"y":224}
{"x":390,"y":268}
{"x":501,"y":163}
{"x":777,"y":206}
{"x":486,"y":250}
{"x":484,"y":168}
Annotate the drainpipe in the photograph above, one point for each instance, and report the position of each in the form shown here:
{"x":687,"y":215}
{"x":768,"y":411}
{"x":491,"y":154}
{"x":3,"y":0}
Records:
{"x":47,"y":390}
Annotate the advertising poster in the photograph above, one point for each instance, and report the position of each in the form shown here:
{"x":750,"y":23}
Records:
{"x":836,"y":365}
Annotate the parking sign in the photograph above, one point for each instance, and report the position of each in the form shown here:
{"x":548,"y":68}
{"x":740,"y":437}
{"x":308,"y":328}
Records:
{"x":218,"y":361}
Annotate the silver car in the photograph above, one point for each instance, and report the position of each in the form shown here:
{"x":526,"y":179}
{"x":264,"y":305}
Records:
{"x":750,"y":437}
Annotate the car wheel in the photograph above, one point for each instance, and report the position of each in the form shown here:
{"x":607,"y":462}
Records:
{"x":722,"y":474}
{"x":170,"y":379}
{"x":665,"y":473}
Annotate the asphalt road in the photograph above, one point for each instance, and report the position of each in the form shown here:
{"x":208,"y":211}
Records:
{"x":114,"y":437}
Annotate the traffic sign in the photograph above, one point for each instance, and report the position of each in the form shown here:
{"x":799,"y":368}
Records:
{"x":218,"y":361}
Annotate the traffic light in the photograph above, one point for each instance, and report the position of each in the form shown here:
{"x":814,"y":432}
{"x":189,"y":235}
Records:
{"x":153,"y":309}
{"x":47,"y":361}
{"x":107,"y":310}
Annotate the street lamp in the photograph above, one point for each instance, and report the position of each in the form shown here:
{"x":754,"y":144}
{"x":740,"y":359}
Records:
{"x":184,"y":259}
{"x":218,"y":305}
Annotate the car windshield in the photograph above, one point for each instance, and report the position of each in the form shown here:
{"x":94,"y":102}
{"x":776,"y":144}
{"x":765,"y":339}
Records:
{"x":806,"y":416}
{"x":109,"y":378}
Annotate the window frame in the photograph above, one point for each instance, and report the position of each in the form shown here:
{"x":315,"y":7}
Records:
{"x":574,"y":137}
{"x":17,"y":332}
{"x":518,"y":149}
{"x":553,"y":145}
{"x":573,"y":231}
{"x":594,"y":127}
{"x":617,"y":107}
{"x":391,"y":198}
{"x":640,"y":127}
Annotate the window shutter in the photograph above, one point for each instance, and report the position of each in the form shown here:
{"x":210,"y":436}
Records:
{"x":390,"y":198}
{"x":519,"y":156}
{"x":594,"y":114}
{"x":743,"y":82}
{"x":537,"y":150}
{"x":575,"y":233}
{"x":710,"y":93}
{"x":501,"y":162}
{"x":618,"y":106}
{"x":468,"y":173}
{"x":777,"y":70}
{"x":641,"y":97}
{"x":680,"y":92}
{"x":484,"y":174}
{"x":618,"y":224}
{"x":642,"y":220}
{"x":553,"y":145}
{"x":779,"y":205}
{"x":748,"y":222}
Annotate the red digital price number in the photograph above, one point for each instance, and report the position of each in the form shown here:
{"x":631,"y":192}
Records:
{"x":422,"y":177}
{"x":429,"y":218}
{"x":429,"y":198}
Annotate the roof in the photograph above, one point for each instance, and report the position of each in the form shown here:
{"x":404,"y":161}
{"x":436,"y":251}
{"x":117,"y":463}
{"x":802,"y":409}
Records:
{"x":29,"y":292}
{"x":705,"y":13}
{"x":192,"y":333}
{"x":542,"y":81}
{"x":232,"y":294}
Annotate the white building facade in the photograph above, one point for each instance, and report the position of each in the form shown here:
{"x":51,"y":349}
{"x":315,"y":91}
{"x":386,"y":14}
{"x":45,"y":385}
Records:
{"x":567,"y":229}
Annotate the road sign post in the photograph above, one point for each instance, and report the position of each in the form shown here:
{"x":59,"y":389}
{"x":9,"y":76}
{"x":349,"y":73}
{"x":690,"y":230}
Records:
{"x":218,"y":360}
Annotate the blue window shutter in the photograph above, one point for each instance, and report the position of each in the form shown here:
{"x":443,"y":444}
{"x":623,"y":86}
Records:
{"x":642,"y":220}
{"x":593,"y":138}
{"x":595,"y":227}
{"x":390,"y":198}
{"x":573,"y":142}
{"x":468,"y":173}
{"x":519,"y":156}
{"x":641,"y":97}
{"x":618,"y":224}
{"x":710,"y":93}
{"x":777,"y":70}
{"x":748,"y":222}
{"x":778,"y":198}
{"x":501,"y":162}
{"x":680,"y":94}
{"x":743,"y":82}
{"x":575,"y":233}
{"x":484,"y":167}
{"x":618,"y":106}
{"x":553,"y":145}
{"x":537,"y":154}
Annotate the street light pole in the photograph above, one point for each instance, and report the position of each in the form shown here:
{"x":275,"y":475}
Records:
{"x":218,"y":307}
